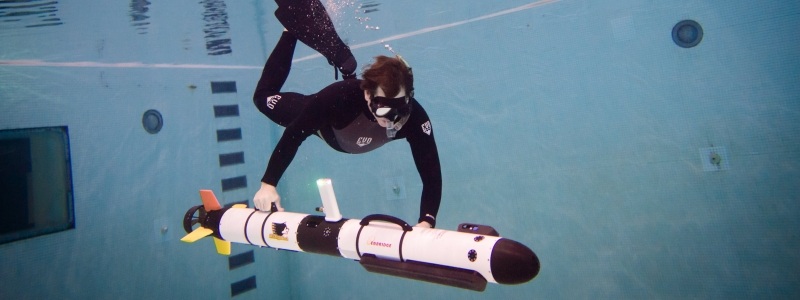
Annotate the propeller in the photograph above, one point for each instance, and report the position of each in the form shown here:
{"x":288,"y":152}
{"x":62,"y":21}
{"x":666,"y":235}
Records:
{"x":210,"y":203}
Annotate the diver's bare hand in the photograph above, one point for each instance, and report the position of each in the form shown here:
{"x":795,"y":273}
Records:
{"x":266,"y":196}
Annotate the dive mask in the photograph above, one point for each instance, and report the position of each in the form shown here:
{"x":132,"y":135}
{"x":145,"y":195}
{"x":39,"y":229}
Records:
{"x":393,"y":109}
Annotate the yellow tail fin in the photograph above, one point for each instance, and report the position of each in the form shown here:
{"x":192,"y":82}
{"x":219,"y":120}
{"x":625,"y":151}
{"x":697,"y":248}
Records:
{"x":197,"y":234}
{"x":223,"y":247}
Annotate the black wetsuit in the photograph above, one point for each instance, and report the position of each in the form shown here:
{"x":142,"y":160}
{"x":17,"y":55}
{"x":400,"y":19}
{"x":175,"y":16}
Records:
{"x":339,"y":114}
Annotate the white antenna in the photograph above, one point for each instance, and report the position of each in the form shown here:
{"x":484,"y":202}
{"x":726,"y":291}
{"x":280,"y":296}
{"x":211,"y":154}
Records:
{"x":329,"y":205}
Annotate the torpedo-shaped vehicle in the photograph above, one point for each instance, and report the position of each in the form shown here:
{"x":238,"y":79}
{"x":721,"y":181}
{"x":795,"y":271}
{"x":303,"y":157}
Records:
{"x":467,"y":258}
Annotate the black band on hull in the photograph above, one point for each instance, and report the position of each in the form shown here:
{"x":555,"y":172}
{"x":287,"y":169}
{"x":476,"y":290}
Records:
{"x":316,"y":235}
{"x":212,"y":221}
{"x":245,"y":227}
{"x":263,"y":227}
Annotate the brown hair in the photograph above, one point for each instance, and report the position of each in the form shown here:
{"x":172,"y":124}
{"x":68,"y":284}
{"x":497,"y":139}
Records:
{"x":388,"y":73}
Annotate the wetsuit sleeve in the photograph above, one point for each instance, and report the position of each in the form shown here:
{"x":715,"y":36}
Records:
{"x":426,"y":159}
{"x":310,"y":120}
{"x":320,"y":111}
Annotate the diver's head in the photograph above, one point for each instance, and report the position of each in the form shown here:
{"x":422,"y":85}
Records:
{"x":388,"y":111}
{"x":388,"y":89}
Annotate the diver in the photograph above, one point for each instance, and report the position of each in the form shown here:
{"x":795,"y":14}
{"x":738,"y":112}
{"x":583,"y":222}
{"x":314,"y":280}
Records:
{"x":352,"y":115}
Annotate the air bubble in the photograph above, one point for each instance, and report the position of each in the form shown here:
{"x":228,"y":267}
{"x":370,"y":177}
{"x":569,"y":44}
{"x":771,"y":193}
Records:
{"x":389,"y":48}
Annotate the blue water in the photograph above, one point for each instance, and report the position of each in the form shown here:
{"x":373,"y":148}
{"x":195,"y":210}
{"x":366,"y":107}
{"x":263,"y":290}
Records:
{"x":578,"y":128}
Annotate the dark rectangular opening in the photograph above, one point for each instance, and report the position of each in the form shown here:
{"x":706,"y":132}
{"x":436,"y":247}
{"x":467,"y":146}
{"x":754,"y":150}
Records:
{"x":234,"y":183}
{"x":228,"y":159}
{"x":241,"y":259}
{"x":15,"y":169}
{"x":224,"y":135}
{"x":220,"y":87}
{"x":36,"y":181}
{"x":243,"y":286}
{"x":226,"y":111}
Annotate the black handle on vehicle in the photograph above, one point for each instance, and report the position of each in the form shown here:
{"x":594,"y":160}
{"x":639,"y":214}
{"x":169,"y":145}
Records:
{"x":386,"y":218}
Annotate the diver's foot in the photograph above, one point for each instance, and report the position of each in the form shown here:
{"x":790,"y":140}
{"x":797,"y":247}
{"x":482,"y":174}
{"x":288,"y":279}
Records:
{"x":309,"y":22}
{"x":348,"y":66}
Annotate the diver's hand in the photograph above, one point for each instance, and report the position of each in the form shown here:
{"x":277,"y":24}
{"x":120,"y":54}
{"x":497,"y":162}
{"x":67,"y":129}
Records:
{"x":423,"y":224}
{"x":266,"y":196}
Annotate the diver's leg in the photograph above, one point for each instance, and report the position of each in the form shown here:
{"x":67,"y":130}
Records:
{"x":281,"y":108}
{"x":309,"y":22}
{"x":277,"y":67}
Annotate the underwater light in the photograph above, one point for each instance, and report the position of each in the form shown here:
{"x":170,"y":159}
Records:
{"x":152,"y":121}
{"x":687,"y":33}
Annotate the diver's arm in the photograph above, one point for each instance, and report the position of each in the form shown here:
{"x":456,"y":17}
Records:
{"x":426,"y":159}
{"x":282,"y":156}
{"x":310,"y":120}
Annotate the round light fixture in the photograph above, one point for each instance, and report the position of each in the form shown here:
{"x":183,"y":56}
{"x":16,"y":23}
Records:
{"x":687,"y":33}
{"x":152,"y":121}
